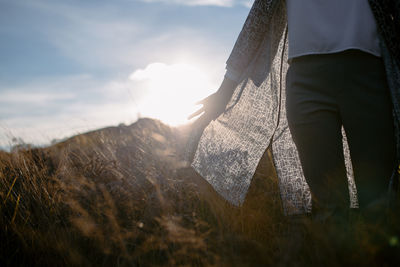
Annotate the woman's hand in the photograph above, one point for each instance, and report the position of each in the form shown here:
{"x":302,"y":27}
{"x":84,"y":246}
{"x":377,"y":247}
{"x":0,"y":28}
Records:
{"x":215,"y":104}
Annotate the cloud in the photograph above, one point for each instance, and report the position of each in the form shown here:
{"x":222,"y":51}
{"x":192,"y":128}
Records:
{"x":172,"y":90}
{"x":32,"y":97}
{"x":225,"y":3}
{"x":247,"y":3}
{"x":102,"y":36}
{"x":110,"y":44}
{"x":91,"y":36}
{"x":221,"y":3}
{"x":54,"y":108}
{"x":59,"y":107}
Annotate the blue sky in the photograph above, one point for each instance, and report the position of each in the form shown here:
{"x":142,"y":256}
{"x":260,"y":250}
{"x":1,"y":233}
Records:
{"x":67,"y":67}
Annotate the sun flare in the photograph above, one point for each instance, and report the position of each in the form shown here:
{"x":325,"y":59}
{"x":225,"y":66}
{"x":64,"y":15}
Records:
{"x":172,"y":90}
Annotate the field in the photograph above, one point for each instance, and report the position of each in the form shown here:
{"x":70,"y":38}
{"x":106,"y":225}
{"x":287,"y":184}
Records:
{"x":123,"y":196}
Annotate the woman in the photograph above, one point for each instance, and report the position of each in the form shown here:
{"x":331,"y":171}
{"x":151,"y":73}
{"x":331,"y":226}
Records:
{"x":339,"y":62}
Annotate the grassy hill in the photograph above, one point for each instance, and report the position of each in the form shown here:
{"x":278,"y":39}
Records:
{"x":124,"y":196}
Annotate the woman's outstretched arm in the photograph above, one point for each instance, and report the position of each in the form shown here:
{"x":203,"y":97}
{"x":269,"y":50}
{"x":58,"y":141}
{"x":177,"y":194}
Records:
{"x":242,"y":53}
{"x":214,"y":104}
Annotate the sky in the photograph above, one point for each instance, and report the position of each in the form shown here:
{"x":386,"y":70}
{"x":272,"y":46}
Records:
{"x":70,"y":66}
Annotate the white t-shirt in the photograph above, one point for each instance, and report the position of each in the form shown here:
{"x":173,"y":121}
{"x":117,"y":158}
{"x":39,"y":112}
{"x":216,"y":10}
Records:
{"x":329,"y":26}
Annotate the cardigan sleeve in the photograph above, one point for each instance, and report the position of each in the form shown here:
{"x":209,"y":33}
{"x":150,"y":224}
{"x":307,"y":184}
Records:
{"x":387,"y":16}
{"x":250,"y":37}
{"x":233,"y":75}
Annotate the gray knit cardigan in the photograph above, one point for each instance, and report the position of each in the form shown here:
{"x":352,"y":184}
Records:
{"x":231,"y":146}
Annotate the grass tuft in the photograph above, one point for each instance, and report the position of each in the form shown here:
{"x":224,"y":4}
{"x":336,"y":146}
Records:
{"x":124,"y":196}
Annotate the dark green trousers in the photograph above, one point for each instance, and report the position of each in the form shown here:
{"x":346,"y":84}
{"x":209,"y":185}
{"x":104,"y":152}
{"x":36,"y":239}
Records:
{"x":325,"y":92}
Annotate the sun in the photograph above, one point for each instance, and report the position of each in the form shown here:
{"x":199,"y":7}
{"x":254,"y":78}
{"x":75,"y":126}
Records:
{"x":170,"y":91}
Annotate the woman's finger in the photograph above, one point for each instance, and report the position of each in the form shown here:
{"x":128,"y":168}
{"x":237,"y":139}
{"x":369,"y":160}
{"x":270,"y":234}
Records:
{"x":198,"y":112}
{"x":202,"y":101}
{"x":205,"y":100}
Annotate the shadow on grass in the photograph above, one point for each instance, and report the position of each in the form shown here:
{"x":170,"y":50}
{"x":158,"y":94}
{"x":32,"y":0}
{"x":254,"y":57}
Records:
{"x":124,"y":196}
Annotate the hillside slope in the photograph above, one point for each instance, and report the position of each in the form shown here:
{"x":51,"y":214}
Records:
{"x":125,"y":196}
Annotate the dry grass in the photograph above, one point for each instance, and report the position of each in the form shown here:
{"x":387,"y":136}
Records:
{"x":122,"y":196}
